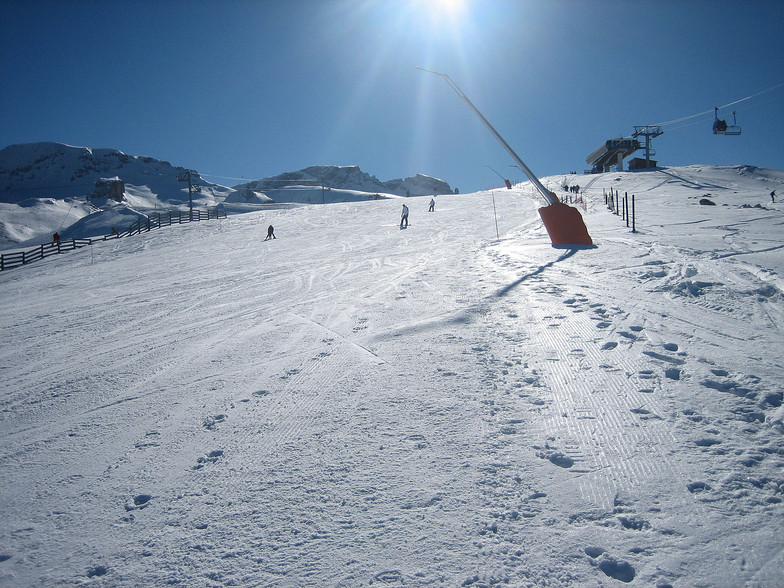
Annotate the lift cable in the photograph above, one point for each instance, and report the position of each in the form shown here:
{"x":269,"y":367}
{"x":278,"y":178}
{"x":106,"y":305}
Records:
{"x":711,"y":111}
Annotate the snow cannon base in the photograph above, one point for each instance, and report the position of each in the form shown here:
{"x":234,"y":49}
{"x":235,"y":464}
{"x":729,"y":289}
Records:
{"x":564,"y":225}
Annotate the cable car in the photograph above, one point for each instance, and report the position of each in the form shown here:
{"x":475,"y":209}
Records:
{"x":720,"y":126}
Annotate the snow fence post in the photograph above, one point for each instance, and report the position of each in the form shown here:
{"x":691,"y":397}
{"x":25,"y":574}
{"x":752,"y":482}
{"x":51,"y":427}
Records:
{"x":626,"y":207}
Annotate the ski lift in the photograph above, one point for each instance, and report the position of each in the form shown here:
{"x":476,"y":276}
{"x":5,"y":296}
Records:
{"x":720,"y":126}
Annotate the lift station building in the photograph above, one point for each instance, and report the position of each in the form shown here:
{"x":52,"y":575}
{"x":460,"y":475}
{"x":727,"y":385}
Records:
{"x":612,"y":152}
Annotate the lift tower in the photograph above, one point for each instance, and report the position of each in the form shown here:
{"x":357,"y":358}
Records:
{"x":649,"y":132}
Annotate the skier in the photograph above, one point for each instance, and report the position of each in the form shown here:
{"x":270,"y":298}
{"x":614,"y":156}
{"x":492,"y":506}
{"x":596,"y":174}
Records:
{"x":270,"y":233}
{"x":404,"y":217}
{"x":773,"y":196}
{"x":56,"y":238}
{"x":432,"y":205}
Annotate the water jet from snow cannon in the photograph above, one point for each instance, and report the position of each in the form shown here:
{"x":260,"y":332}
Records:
{"x":563,"y":223}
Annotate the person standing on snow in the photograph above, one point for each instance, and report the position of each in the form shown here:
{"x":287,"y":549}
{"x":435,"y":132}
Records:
{"x":404,"y":217}
{"x":270,"y":233}
{"x":432,"y":205}
{"x":773,"y":196}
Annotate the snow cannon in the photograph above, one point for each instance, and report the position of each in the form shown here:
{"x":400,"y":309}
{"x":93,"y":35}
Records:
{"x":563,"y":223}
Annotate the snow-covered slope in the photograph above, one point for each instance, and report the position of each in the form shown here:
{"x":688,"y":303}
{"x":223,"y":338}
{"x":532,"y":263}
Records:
{"x":353,"y":404}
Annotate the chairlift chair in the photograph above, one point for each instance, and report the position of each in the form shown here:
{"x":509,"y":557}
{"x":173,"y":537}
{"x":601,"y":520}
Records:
{"x":720,"y":126}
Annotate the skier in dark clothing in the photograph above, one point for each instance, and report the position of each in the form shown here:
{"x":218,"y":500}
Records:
{"x":270,"y":233}
{"x":432,"y":205}
{"x":773,"y":196}
{"x":56,"y":238}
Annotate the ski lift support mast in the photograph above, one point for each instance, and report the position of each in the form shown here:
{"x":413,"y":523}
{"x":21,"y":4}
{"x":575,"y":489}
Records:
{"x":548,"y":196}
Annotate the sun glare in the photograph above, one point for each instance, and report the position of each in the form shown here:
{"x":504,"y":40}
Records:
{"x":452,"y":7}
{"x":440,"y":10}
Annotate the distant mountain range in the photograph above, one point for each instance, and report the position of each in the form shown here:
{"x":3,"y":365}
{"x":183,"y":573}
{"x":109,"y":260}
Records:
{"x":350,"y":177}
{"x":60,"y":184}
{"x":54,"y":170}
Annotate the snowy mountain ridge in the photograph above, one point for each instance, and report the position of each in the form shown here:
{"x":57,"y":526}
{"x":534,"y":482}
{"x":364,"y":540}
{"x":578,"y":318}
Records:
{"x":55,"y":170}
{"x":350,"y":177}
{"x":52,"y":182}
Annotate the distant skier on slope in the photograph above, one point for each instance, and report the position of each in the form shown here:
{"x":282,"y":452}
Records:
{"x":404,"y":217}
{"x":432,"y":205}
{"x":270,"y":233}
{"x":773,"y":196}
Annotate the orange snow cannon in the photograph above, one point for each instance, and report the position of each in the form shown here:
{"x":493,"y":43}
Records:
{"x":563,"y":223}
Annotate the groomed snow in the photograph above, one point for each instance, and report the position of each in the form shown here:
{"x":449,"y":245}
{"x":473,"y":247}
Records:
{"x":353,"y":404}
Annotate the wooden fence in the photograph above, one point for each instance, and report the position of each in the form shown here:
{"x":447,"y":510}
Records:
{"x":154,"y":220}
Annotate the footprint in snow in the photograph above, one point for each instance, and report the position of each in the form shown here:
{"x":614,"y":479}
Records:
{"x":645,"y":414}
{"x":672,"y":373}
{"x":555,"y":457}
{"x":614,"y":568}
{"x":617,"y":569}
{"x":696,"y":487}
{"x":664,"y":358}
{"x":139,"y":502}
{"x":210,"y":422}
{"x":211,"y":457}
{"x":389,"y":577}
{"x":97,"y":571}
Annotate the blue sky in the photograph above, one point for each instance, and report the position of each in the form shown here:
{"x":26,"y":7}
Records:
{"x":241,"y":89}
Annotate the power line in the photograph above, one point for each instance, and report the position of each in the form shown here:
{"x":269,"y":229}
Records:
{"x":225,"y":177}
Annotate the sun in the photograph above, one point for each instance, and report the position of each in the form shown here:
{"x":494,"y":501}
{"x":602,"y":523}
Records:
{"x":452,"y":7}
{"x":441,"y":10}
